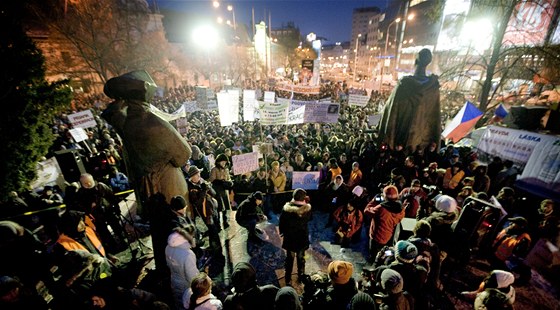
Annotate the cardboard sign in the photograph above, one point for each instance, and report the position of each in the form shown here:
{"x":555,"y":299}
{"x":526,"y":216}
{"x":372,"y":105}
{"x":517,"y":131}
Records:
{"x":79,"y":134}
{"x":83,"y":119}
{"x":305,"y":179}
{"x":358,"y":100}
{"x":245,"y":163}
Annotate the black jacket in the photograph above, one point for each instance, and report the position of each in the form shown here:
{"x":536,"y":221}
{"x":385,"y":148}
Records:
{"x":294,"y":225}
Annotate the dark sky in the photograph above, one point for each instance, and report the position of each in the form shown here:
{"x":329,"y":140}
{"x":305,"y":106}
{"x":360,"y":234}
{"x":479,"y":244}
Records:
{"x":331,"y":19}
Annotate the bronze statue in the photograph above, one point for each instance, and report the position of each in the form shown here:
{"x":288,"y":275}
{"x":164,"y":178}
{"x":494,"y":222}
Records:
{"x":154,"y":150}
{"x":412,"y":112}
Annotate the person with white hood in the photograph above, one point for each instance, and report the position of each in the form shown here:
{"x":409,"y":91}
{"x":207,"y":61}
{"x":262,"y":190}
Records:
{"x":181,"y":261}
{"x":497,"y":279}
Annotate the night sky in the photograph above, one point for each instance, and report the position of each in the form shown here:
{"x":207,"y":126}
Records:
{"x":331,"y":19}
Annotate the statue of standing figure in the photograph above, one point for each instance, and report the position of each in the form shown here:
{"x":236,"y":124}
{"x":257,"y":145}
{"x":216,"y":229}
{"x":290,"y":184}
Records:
{"x":412,"y":113}
{"x":154,"y":153}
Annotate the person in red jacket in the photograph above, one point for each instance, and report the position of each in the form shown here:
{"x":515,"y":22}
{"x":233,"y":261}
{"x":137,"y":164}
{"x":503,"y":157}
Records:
{"x":349,"y":221}
{"x":385,"y":216}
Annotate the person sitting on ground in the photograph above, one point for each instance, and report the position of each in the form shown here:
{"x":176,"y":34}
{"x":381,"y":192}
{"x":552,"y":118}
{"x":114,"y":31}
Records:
{"x":343,"y":285}
{"x":118,"y":180}
{"x":246,"y":293}
{"x":199,"y":295}
{"x":76,"y":235}
{"x":492,"y":299}
{"x":497,"y":279}
{"x":250,"y":212}
{"x":510,"y":247}
{"x":349,"y":221}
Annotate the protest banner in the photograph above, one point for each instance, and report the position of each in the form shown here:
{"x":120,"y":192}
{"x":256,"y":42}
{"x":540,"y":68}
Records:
{"x":48,"y":173}
{"x":79,"y":134}
{"x":201,"y":97}
{"x":169,"y":116}
{"x":83,"y":119}
{"x":373,"y":120}
{"x":249,"y":105}
{"x":358,"y":100}
{"x":228,"y":108}
{"x":245,"y":163}
{"x":307,"y":180}
{"x":273,"y":113}
{"x":296,"y":116}
{"x":541,"y":175}
{"x":269,"y":96}
{"x":191,"y":106}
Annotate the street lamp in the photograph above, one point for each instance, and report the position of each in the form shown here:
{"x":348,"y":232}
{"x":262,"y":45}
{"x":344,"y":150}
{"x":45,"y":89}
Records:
{"x":230,"y":8}
{"x":356,"y":56}
{"x":386,"y":45}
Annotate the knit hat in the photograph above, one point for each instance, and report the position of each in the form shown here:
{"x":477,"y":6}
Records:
{"x":391,"y":192}
{"x":193,"y":170}
{"x":362,"y":301}
{"x":391,"y":281}
{"x":358,"y":191}
{"x":178,"y":203}
{"x":446,"y":204}
{"x":503,"y":278}
{"x":243,"y":277}
{"x":405,"y":251}
{"x":340,"y":271}
{"x":287,"y":299}
{"x":299,"y":194}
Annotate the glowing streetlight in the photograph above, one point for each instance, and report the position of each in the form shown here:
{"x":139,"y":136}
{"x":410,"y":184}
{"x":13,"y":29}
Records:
{"x":216,"y":4}
{"x":356,"y":56}
{"x":220,"y":20}
{"x":205,"y":36}
{"x":230,"y":9}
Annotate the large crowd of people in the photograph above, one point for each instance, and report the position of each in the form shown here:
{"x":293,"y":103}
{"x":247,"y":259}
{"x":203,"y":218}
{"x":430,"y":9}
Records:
{"x":407,"y":200}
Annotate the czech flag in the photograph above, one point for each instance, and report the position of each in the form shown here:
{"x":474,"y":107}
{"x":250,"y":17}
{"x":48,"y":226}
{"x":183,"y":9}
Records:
{"x":462,"y":123}
{"x":501,"y":111}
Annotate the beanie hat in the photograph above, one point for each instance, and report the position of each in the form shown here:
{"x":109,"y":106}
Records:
{"x":422,"y":229}
{"x":362,"y":301}
{"x":178,"y":203}
{"x":243,"y":277}
{"x":193,"y":170}
{"x":503,"y":278}
{"x":287,"y":299}
{"x":405,"y":251}
{"x":446,"y":204}
{"x":391,"y":192}
{"x":391,"y":281}
{"x":299,"y":194}
{"x":340,"y":271}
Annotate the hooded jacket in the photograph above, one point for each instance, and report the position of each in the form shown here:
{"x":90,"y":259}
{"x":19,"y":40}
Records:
{"x":293,"y":224}
{"x":385,"y":217}
{"x":181,"y":261}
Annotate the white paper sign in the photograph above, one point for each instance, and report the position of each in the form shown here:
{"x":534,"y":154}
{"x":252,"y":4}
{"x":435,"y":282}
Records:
{"x":257,"y":149}
{"x":249,"y":105}
{"x":245,"y":163}
{"x":373,"y":120}
{"x":83,"y":119}
{"x":269,"y":96}
{"x":228,"y":108}
{"x":79,"y":134}
{"x":358,"y":100}
{"x":296,"y":116}
{"x":273,"y":113}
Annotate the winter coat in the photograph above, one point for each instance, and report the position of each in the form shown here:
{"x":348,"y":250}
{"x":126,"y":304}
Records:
{"x":221,"y":181}
{"x":399,"y":301}
{"x":293,"y":224}
{"x":339,"y":295}
{"x":256,"y":298}
{"x":279,"y":181}
{"x":207,"y":302}
{"x":385,"y":217}
{"x":442,"y":233}
{"x":350,"y":222}
{"x":181,"y":261}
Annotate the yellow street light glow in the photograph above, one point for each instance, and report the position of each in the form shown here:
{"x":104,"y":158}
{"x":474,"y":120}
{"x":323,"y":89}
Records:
{"x":216,"y":4}
{"x":411,"y":16}
{"x":220,"y":20}
{"x":230,"y":7}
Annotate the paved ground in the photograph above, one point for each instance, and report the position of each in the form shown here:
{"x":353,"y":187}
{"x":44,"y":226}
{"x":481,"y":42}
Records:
{"x":268,"y":257}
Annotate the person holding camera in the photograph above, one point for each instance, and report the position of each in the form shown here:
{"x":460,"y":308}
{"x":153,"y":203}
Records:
{"x":412,"y":197}
{"x":221,"y":181}
{"x":385,"y":214}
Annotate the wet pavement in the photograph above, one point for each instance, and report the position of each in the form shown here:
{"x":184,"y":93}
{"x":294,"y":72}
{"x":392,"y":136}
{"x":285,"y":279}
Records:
{"x":267,"y":256}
